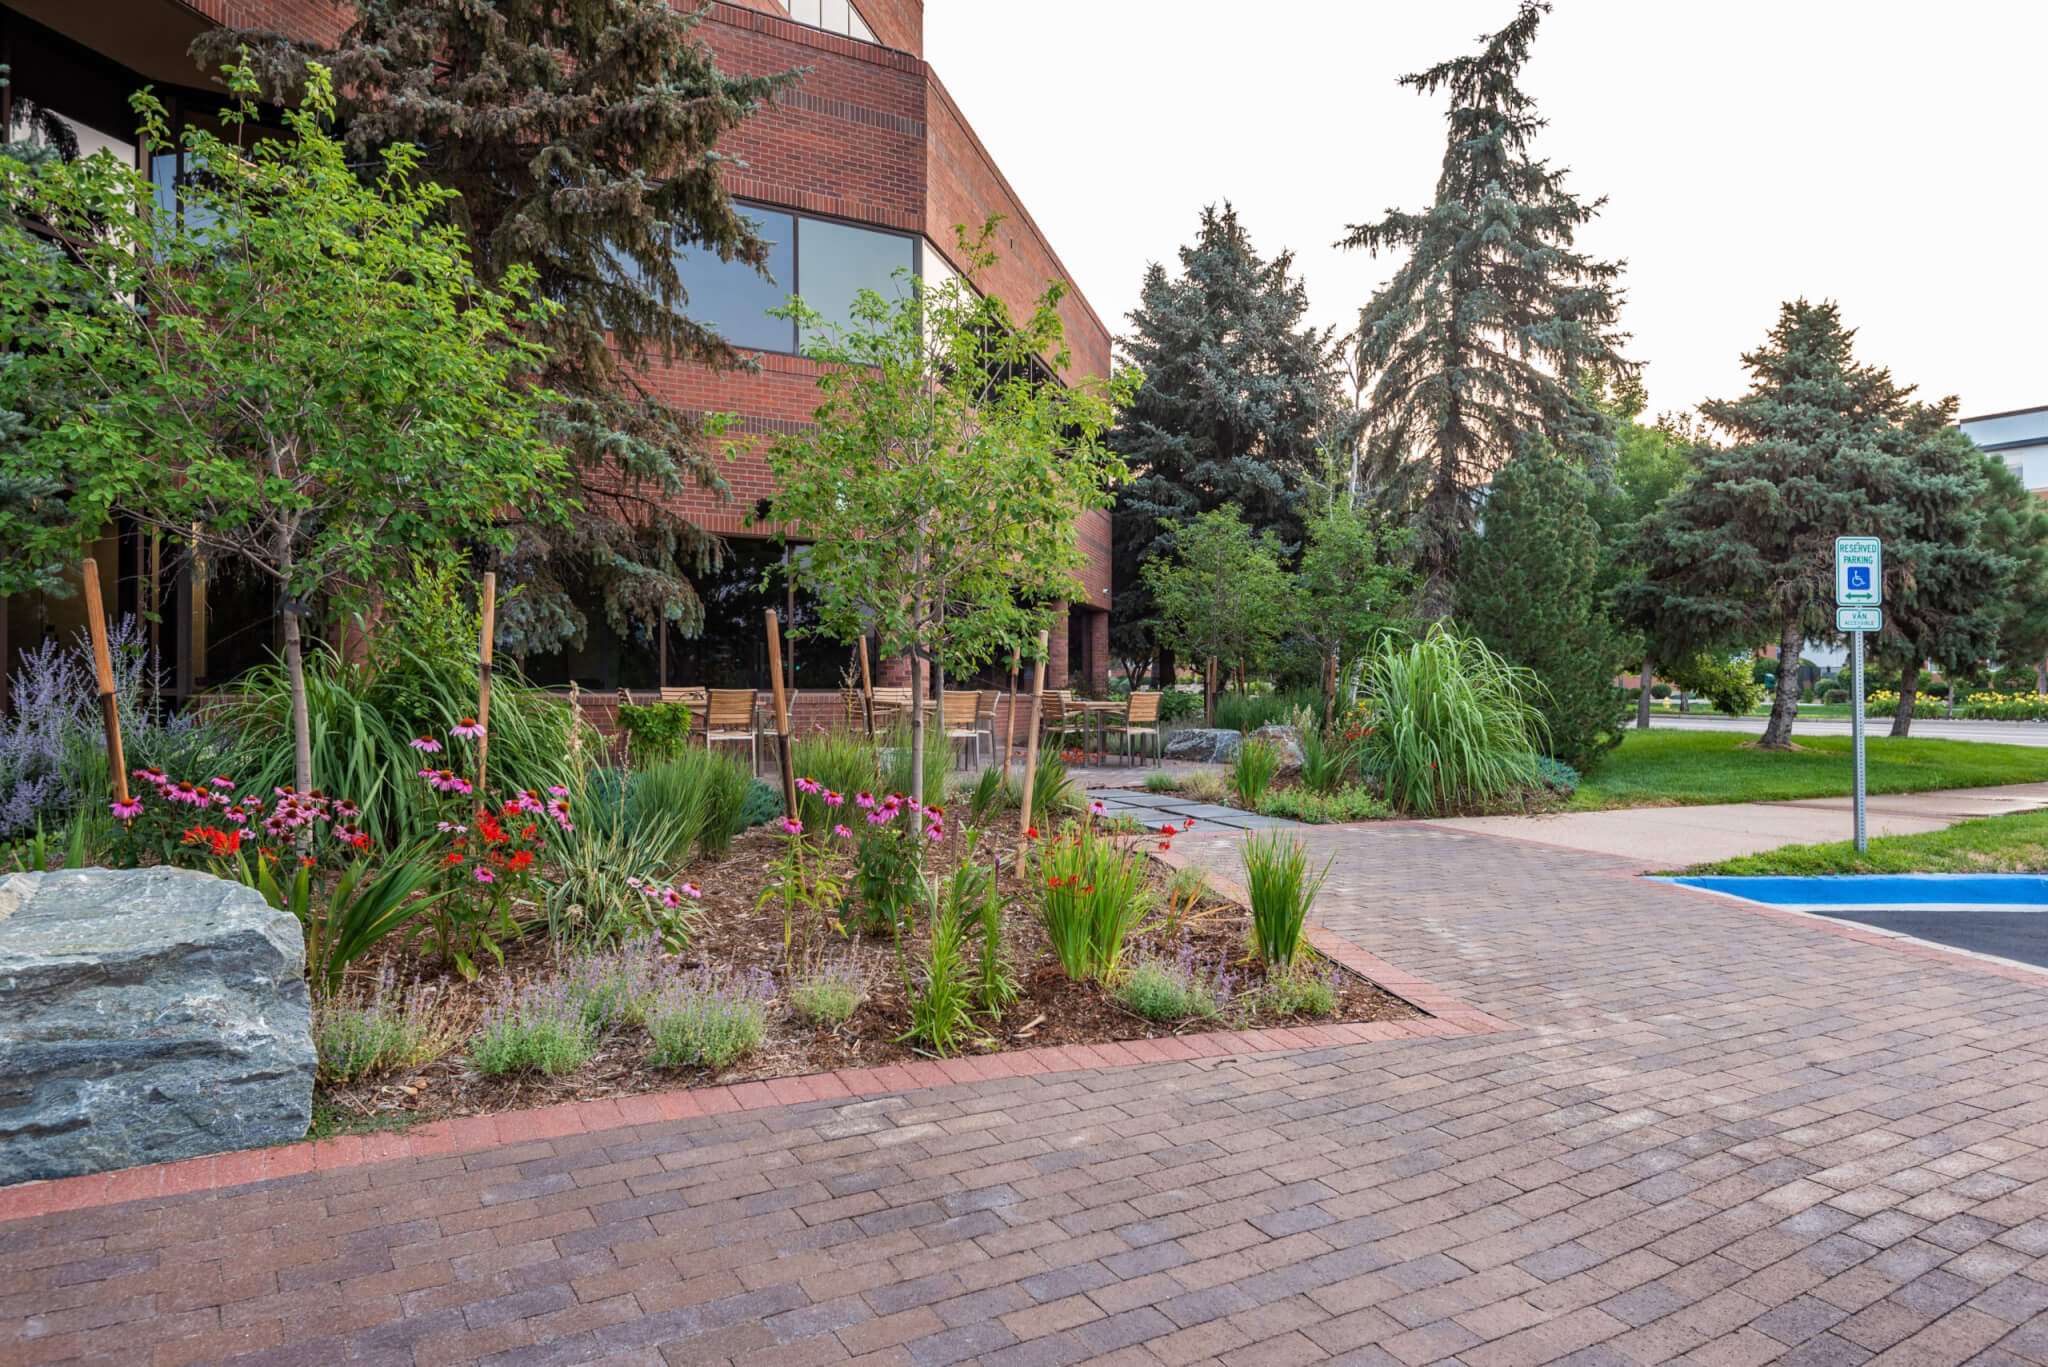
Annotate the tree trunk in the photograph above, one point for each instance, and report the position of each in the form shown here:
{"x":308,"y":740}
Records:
{"x":302,"y":722}
{"x":1436,"y":595}
{"x":1785,"y":703}
{"x":2041,"y":677}
{"x":1909,"y":688}
{"x":1643,"y":694}
{"x":916,"y":728}
{"x":1165,"y":665}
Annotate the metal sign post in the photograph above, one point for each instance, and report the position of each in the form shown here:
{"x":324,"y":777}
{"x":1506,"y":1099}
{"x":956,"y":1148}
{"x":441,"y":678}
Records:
{"x":1859,"y":592}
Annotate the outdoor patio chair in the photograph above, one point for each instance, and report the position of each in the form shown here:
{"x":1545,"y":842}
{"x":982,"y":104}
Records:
{"x":959,"y":711}
{"x":730,"y":718}
{"x":985,"y":718}
{"x":1141,"y":718}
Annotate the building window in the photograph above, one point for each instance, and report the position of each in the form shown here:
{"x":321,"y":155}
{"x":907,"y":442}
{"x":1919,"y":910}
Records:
{"x":825,"y":263}
{"x":836,"y":16}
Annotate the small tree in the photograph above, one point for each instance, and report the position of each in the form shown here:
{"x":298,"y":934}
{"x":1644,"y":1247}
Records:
{"x":1532,"y":593}
{"x":312,"y":381}
{"x":941,"y":479}
{"x":1222,"y":596}
{"x":1350,"y":592}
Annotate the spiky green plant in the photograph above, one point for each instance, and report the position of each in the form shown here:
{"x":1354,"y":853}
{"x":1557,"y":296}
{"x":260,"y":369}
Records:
{"x":1281,"y":890}
{"x":1453,"y":725}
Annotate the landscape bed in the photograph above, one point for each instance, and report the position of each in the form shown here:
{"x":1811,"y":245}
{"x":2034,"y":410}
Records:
{"x":736,"y":931}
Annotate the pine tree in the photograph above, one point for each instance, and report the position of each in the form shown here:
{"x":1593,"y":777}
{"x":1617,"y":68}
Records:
{"x":1532,"y":593}
{"x":1947,"y":585}
{"x":1475,"y":346}
{"x":1744,"y":550}
{"x":2016,"y":525}
{"x":1239,"y":398}
{"x":582,"y":142}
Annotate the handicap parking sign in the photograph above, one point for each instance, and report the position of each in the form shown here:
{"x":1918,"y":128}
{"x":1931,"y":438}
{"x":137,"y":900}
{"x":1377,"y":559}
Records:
{"x":1859,"y":571}
{"x":1859,"y":578}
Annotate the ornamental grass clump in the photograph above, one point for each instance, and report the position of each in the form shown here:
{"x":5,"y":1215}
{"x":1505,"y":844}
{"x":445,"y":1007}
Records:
{"x":1174,"y":989}
{"x":538,"y":1028}
{"x":709,"y":1017}
{"x":1091,"y":898}
{"x":1281,"y":890}
{"x":1453,"y":725}
{"x":1254,"y":769}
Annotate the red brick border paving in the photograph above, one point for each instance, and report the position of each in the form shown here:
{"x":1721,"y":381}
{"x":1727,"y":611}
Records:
{"x":1446,"y":1016}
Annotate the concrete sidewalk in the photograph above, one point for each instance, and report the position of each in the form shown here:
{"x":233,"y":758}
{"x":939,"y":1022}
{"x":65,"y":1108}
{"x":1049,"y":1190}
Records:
{"x":1677,"y":837}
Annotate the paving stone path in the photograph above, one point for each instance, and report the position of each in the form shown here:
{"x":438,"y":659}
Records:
{"x":1719,"y":1136}
{"x":1169,"y":809}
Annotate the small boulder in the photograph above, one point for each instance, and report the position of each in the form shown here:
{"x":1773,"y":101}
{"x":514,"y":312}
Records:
{"x":146,"y":1015}
{"x":1203,"y":745}
{"x":1288,"y":741}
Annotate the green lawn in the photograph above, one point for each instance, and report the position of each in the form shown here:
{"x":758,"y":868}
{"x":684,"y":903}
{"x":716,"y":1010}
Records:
{"x":1997,"y":844}
{"x":1686,"y":768}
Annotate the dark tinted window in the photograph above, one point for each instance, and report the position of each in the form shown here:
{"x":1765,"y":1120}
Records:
{"x":734,"y":298}
{"x":835,"y":262}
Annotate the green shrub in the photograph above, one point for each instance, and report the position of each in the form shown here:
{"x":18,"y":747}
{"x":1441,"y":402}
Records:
{"x":1052,"y":788}
{"x":1159,"y":781}
{"x":760,"y":802}
{"x":1324,"y":765}
{"x":1660,"y":691}
{"x":1281,"y":891}
{"x":1253,"y":769}
{"x":1172,"y":989}
{"x":655,"y":732}
{"x":708,"y":1018}
{"x":534,"y":1029}
{"x":1175,"y":705}
{"x":1556,"y":775}
{"x":987,"y":796}
{"x":1299,"y":990}
{"x":1452,"y":724}
{"x":1835,"y":695}
{"x":1091,"y":897}
{"x":1346,"y":804}
{"x":1249,"y":711}
{"x":829,"y":994}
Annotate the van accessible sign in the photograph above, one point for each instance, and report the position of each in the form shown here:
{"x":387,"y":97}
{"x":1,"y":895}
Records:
{"x":1859,"y":572}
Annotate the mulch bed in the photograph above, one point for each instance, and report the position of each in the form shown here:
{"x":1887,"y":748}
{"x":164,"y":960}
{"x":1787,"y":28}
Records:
{"x":1051,"y":1009}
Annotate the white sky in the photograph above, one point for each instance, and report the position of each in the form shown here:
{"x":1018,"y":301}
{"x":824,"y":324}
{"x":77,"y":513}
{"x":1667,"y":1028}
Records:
{"x":1886,"y":154}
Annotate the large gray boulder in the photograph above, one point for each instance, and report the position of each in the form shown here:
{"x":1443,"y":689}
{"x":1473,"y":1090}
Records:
{"x":1287,"y":741}
{"x":146,"y":1015}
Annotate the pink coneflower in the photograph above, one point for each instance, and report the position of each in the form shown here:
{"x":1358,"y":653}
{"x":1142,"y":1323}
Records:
{"x":559,"y":809}
{"x":1098,"y":809}
{"x":126,"y":811}
{"x":935,"y":834}
{"x":692,"y":891}
{"x":791,"y":826}
{"x":187,"y":792}
{"x":451,"y":828}
{"x":346,"y":809}
{"x":865,"y":801}
{"x":880,"y":818}
{"x":484,"y":875}
{"x":153,"y":777}
{"x":223,"y":782}
{"x":671,"y":898}
{"x":554,"y":790}
{"x":833,"y":799}
{"x":841,"y":831}
{"x":809,"y":785}
{"x":469,"y":728}
{"x":236,"y":815}
{"x":426,"y":745}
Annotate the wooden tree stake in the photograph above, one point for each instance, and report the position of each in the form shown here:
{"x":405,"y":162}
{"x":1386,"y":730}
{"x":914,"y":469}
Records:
{"x":1031,"y":736}
{"x":867,"y":686}
{"x":483,"y":678}
{"x":1010,"y":721}
{"x":103,"y":670}
{"x":781,"y":715}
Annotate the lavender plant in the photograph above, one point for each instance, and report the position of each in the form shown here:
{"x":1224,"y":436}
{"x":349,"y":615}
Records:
{"x":1163,"y":989}
{"x":709,"y":1017}
{"x":380,"y":1030}
{"x":536,"y":1028}
{"x":828,"y":993}
{"x":615,"y":986}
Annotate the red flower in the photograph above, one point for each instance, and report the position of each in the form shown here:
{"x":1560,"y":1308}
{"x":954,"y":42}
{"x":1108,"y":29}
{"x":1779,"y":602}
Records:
{"x":1031,"y":833}
{"x":520,"y":860}
{"x":1166,"y":844}
{"x":454,"y":857}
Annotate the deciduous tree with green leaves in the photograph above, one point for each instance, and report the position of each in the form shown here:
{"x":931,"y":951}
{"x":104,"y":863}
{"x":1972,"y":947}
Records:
{"x":581,"y":141}
{"x":311,"y":379}
{"x":1353,"y":588}
{"x":1474,"y":348}
{"x":1221,"y":596}
{"x":938,"y":485}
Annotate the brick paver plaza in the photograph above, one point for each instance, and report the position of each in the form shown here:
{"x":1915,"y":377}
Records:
{"x":1712,"y":1135}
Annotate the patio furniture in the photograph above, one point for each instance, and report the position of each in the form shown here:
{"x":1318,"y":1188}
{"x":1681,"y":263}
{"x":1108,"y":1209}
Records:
{"x":1140,"y":718}
{"x":731,"y":718}
{"x":985,"y":718}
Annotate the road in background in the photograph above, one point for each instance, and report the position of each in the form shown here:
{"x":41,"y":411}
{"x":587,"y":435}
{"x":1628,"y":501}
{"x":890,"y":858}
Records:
{"x":1924,"y":728}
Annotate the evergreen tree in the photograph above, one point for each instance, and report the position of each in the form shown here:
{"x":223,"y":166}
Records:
{"x":1745,"y":549}
{"x":2016,"y":526}
{"x":1532,"y":593}
{"x":1475,"y":347}
{"x":581,"y":141}
{"x":1239,"y":397}
{"x":1945,"y":584}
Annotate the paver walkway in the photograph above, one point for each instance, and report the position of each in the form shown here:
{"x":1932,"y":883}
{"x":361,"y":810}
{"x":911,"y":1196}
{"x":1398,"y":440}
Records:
{"x":1679,"y":837}
{"x":1719,"y":1136}
{"x":1175,"y":810}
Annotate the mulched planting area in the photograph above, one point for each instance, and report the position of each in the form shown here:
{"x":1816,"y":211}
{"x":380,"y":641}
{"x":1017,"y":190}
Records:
{"x":1051,"y":1009}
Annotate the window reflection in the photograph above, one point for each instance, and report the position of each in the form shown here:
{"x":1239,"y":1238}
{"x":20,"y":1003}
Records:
{"x":836,"y":262}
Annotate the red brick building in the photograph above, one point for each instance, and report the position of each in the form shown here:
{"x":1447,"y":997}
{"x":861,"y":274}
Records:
{"x":860,"y":169}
